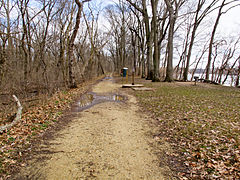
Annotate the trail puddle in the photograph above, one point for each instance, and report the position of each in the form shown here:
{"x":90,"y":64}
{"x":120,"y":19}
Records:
{"x":90,"y":99}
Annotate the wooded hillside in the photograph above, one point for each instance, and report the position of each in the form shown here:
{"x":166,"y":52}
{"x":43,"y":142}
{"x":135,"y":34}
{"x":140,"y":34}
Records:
{"x":47,"y":44}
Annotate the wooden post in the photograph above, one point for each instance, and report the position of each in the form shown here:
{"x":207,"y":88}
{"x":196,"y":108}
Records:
{"x":133,"y":71}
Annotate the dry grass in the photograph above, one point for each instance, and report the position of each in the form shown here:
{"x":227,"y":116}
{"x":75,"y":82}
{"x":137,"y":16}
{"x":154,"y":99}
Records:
{"x":203,"y":121}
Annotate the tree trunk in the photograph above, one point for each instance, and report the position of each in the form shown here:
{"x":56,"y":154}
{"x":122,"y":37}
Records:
{"x":156,"y":78}
{"x":9,"y":38}
{"x":139,"y":57}
{"x":24,"y":35}
{"x":172,"y":19}
{"x":149,"y":41}
{"x":212,"y":39}
{"x":186,"y":69}
{"x":195,"y":26}
{"x":72,"y":81}
{"x":3,"y":57}
{"x":238,"y":75}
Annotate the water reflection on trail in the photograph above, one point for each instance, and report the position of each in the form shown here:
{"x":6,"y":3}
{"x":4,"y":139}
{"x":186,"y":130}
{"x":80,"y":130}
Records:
{"x":90,"y":99}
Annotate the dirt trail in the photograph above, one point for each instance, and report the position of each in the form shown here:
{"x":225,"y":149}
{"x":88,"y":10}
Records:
{"x":107,"y":141}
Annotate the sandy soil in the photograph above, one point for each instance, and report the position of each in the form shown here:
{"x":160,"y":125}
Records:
{"x":107,"y":141}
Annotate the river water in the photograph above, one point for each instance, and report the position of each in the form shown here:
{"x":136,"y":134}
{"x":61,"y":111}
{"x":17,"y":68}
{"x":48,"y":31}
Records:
{"x":229,"y":82}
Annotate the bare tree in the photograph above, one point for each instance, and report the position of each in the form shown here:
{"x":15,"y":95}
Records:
{"x":199,"y":14}
{"x":173,"y":9}
{"x":148,"y":33}
{"x":231,"y":69}
{"x":23,"y":4}
{"x":220,"y":13}
{"x":72,"y":81}
{"x":229,"y":54}
{"x":138,"y":29}
{"x":155,"y":78}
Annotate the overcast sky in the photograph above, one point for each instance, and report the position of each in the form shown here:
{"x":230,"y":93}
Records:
{"x":229,"y":23}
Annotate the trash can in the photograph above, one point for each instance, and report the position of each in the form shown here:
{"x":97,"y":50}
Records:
{"x":125,"y":72}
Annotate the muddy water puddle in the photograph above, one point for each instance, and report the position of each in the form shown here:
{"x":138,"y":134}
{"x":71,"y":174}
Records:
{"x":90,"y":99}
{"x":107,"y":78}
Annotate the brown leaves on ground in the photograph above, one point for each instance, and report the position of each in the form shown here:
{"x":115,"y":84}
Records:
{"x":202,"y":122}
{"x":35,"y":120}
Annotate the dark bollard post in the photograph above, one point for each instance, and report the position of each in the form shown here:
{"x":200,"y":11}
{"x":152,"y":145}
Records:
{"x":196,"y":79}
{"x":133,"y":71}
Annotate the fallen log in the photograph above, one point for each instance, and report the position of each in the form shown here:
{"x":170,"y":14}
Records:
{"x":17,"y":118}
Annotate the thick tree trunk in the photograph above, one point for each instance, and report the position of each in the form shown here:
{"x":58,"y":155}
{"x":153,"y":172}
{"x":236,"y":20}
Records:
{"x":172,"y":19}
{"x":60,"y":63}
{"x":169,"y":72}
{"x":72,"y":81}
{"x":149,"y":41}
{"x":24,"y":35}
{"x":155,"y":37}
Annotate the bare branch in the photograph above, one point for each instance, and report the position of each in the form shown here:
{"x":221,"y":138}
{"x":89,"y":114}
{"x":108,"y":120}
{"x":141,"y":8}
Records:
{"x":17,"y":118}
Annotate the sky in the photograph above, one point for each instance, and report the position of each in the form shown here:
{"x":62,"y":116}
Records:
{"x":229,"y":23}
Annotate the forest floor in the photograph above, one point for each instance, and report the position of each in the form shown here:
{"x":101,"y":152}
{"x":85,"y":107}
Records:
{"x":105,"y":138}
